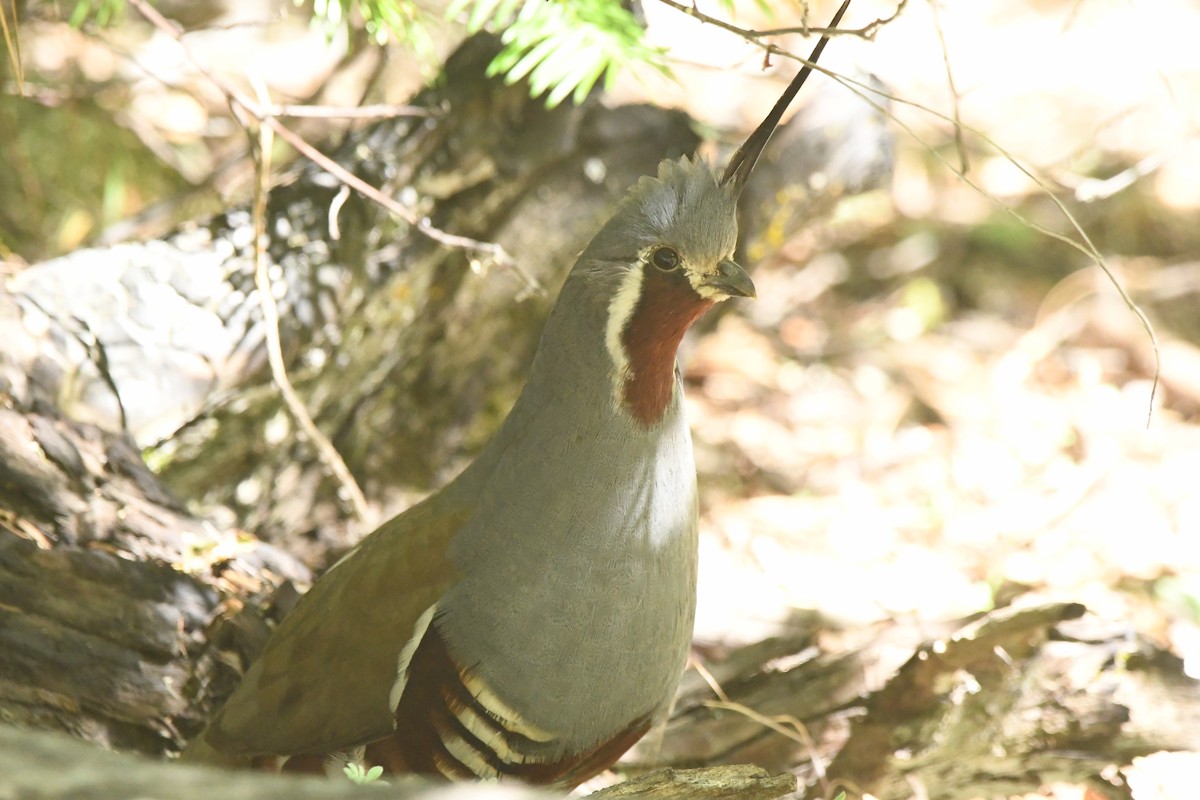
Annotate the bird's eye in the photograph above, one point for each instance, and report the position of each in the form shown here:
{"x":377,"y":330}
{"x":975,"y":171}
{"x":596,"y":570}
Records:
{"x":665,"y":258}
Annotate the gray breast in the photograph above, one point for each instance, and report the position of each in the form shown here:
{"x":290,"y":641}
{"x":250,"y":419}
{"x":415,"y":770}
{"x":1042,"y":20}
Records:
{"x":579,"y":595}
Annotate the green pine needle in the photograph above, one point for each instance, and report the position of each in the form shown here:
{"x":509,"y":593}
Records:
{"x":563,"y":48}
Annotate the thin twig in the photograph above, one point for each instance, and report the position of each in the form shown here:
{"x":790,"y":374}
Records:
{"x":783,"y":724}
{"x":755,"y":36}
{"x":1084,"y":243}
{"x":378,"y":111}
{"x":491,"y":250}
{"x":786,"y":725}
{"x":1089,"y":190}
{"x":867,"y":31}
{"x":709,"y":678}
{"x":270,"y":311}
{"x":963,"y":162}
{"x":12,"y":44}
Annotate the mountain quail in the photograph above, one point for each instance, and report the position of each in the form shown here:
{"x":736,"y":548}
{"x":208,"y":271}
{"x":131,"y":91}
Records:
{"x":532,"y":618}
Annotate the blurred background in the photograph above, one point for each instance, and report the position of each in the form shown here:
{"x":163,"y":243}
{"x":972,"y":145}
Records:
{"x":939,"y":404}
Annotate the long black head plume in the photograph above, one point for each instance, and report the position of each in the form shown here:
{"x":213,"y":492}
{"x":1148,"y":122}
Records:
{"x":743,"y":161}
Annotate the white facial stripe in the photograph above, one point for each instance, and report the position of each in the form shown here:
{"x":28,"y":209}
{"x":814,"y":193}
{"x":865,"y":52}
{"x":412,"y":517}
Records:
{"x":505,"y":714}
{"x":704,"y":290}
{"x":406,"y":654}
{"x":620,"y":309}
{"x":708,"y":292}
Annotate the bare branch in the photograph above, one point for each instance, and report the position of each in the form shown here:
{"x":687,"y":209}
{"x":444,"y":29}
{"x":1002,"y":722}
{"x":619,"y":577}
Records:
{"x":270,"y":311}
{"x":964,"y":163}
{"x":1083,"y":243}
{"x":755,"y":37}
{"x":378,"y":111}
{"x":239,"y":100}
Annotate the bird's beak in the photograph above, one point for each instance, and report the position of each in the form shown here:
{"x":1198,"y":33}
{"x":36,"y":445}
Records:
{"x":730,"y":279}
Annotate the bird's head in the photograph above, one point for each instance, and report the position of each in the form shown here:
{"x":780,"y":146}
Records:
{"x":674,"y":231}
{"x":666,"y":257}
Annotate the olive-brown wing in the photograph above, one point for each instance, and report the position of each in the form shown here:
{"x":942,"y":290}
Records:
{"x":323,"y":680}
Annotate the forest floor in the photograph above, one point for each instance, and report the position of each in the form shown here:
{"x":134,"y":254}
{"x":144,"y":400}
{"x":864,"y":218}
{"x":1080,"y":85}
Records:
{"x":933,"y":410}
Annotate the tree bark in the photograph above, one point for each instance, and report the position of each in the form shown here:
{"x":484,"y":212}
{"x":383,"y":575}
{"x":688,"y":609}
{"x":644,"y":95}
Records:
{"x":1017,"y":699}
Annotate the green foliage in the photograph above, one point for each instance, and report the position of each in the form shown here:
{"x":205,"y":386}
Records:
{"x":562,"y":46}
{"x":360,"y":775}
{"x":53,"y":199}
{"x":103,"y":12}
{"x":401,"y":20}
{"x":1181,"y":593}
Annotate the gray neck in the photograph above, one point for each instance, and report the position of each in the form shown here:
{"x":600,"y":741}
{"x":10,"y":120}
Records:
{"x":594,"y":543}
{"x":571,"y":384}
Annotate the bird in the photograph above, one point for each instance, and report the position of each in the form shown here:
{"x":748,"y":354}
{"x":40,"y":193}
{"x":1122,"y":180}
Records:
{"x":532,"y":618}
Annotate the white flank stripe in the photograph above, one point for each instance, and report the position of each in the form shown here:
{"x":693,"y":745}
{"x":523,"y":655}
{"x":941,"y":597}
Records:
{"x":406,"y":654}
{"x":486,"y":731}
{"x":446,"y":767}
{"x":505,"y":714}
{"x":468,"y":756}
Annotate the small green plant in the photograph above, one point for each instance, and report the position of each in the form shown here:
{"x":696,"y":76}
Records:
{"x":359,"y":774}
{"x":103,"y":12}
